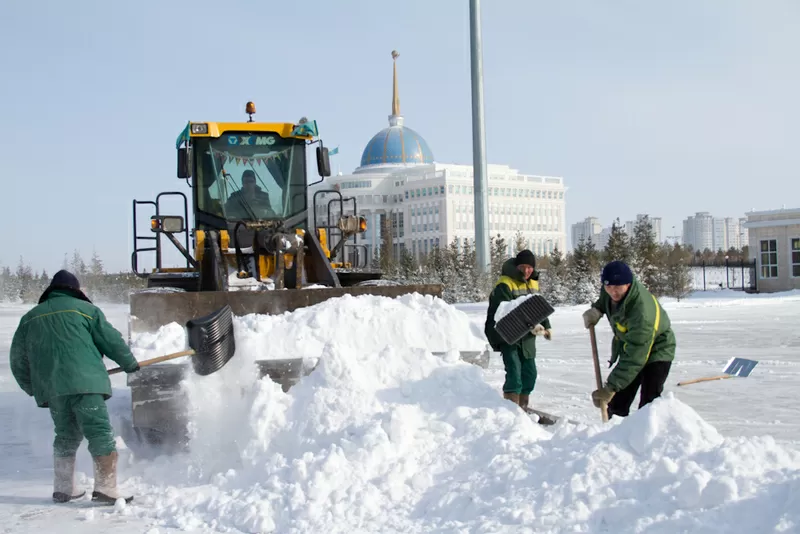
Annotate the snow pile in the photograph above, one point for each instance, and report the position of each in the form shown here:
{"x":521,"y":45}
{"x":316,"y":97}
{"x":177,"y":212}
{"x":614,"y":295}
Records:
{"x":366,"y":323}
{"x":384,"y":436}
{"x":168,"y":339}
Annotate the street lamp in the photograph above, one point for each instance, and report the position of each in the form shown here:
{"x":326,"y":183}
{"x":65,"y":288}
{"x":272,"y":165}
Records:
{"x":480,"y":186}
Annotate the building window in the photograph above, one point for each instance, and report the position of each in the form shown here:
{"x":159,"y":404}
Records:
{"x":769,"y":258}
{"x":796,"y":256}
{"x":442,"y":190}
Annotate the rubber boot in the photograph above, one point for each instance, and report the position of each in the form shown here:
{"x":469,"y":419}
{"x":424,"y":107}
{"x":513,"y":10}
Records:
{"x":64,"y":479}
{"x":105,"y":480}
{"x":513,"y":397}
{"x":543,"y":419}
{"x":523,"y":403}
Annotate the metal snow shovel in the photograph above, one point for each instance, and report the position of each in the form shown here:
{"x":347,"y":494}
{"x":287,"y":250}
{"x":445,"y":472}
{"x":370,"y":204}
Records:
{"x":598,"y":377}
{"x":740,"y":367}
{"x":519,"y":321}
{"x":211,"y":340}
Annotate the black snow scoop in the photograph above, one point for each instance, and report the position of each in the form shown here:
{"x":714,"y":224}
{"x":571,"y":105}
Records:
{"x":519,"y":321}
{"x":211,"y":340}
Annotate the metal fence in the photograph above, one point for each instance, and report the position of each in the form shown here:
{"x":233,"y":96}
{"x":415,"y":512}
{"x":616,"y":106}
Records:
{"x":727,"y":274}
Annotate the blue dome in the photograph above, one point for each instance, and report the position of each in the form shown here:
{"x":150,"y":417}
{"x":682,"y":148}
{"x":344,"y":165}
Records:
{"x":397,"y":145}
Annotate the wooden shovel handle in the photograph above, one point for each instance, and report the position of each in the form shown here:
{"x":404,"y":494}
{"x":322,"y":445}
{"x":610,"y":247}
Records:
{"x":151,"y":361}
{"x":598,"y":377}
{"x":706,"y":379}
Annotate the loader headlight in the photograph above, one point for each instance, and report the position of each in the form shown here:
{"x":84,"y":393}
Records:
{"x":362,"y":225}
{"x":171,"y":224}
{"x":200,"y":128}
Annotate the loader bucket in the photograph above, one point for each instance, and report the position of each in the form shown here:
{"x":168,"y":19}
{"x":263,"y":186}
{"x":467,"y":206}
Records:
{"x":149,"y":310}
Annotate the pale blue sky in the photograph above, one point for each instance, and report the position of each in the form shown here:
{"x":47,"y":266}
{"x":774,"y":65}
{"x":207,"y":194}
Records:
{"x":665,"y":108}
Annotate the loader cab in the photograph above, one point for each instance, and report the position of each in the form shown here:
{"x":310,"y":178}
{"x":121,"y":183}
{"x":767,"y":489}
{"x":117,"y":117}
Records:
{"x":251,"y":175}
{"x":248,"y":195}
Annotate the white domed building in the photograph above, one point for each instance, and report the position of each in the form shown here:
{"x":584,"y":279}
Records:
{"x":430,"y":204}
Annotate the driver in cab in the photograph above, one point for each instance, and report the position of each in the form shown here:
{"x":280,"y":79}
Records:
{"x":250,"y":200}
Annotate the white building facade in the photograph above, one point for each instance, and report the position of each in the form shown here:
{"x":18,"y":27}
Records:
{"x":702,"y":231}
{"x":430,"y":204}
{"x":589,"y":228}
{"x":774,"y":240}
{"x":698,"y":231}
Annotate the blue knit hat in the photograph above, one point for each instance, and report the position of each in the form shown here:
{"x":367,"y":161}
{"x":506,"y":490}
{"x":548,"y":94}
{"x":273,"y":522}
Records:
{"x":616,"y":273}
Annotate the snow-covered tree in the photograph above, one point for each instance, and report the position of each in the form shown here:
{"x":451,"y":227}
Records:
{"x":520,"y":243}
{"x":646,"y":262}
{"x":618,"y":246}
{"x":553,"y":282}
{"x":499,"y":253}
{"x":78,"y":266}
{"x":583,"y":274}
{"x":678,"y":275}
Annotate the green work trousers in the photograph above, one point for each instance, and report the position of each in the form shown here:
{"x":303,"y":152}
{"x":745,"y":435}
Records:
{"x":520,"y":372}
{"x":81,"y":416}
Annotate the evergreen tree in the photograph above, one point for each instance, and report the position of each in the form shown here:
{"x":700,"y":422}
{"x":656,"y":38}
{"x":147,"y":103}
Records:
{"x":499,"y":255}
{"x":470,"y":282}
{"x":618,"y":247}
{"x":8,"y":282}
{"x":520,"y":243}
{"x":26,"y":286}
{"x":582,"y":279}
{"x":78,"y":266}
{"x":678,"y":274}
{"x":593,"y":257}
{"x":408,"y":267}
{"x":96,"y":266}
{"x":646,"y":263}
{"x":553,"y":283}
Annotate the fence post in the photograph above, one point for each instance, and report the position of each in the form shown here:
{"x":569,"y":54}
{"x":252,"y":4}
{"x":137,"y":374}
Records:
{"x":704,"y":275}
{"x":742,"y":274}
{"x":727,"y":275}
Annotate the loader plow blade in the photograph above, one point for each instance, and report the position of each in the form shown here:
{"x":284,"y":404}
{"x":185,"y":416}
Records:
{"x":153,"y":309}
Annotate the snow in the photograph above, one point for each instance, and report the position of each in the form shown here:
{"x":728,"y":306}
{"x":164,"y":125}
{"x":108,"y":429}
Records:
{"x":506,"y":307}
{"x":385,"y":436}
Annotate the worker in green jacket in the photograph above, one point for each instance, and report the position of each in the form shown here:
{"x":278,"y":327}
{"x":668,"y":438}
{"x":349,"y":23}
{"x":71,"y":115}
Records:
{"x":517,"y":280}
{"x":644,"y":343}
{"x":57,"y":358}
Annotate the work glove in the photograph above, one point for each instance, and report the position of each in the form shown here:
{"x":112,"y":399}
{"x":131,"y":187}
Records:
{"x":135,"y":369}
{"x":548,"y":334}
{"x":538,"y":330}
{"x":602,"y":396}
{"x":591,"y":317}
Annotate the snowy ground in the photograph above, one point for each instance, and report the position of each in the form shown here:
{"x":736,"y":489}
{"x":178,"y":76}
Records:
{"x":385,"y":437}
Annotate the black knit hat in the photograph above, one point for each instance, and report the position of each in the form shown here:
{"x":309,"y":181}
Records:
{"x":65,"y":279}
{"x":525,"y":257}
{"x":616,"y":273}
{"x":67,"y":282}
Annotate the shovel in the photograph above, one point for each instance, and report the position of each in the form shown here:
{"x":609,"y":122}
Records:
{"x":740,"y":367}
{"x":598,"y":377}
{"x":211,"y":340}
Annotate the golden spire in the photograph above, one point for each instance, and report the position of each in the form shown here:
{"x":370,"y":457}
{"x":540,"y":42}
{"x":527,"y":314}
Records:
{"x":395,"y":92}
